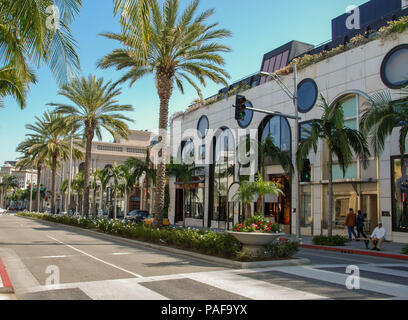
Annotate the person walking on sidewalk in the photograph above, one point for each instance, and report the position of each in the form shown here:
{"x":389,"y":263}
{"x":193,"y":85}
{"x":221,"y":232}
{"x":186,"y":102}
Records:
{"x":351,"y":223}
{"x":378,"y":237}
{"x":360,"y":225}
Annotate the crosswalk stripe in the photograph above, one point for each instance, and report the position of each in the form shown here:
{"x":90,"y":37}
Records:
{"x":250,"y":288}
{"x":387,"y":288}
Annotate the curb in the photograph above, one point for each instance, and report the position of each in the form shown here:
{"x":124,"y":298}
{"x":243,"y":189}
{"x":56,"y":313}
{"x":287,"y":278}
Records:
{"x":194,"y":255}
{"x":354,"y":251}
{"x":7,"y":286}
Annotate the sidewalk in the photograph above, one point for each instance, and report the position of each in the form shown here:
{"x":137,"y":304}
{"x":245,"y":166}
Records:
{"x":388,"y":250}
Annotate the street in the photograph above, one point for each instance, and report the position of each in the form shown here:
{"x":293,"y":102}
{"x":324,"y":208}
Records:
{"x":47,"y":262}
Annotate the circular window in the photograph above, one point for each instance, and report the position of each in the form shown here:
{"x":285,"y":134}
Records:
{"x":203,"y":126}
{"x":248,"y":116}
{"x":394,"y":69}
{"x":307,"y":95}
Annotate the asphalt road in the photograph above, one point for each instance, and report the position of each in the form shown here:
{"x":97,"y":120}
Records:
{"x":48,"y":262}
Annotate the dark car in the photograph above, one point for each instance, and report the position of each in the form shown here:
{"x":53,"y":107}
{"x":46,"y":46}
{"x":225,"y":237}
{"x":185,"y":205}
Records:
{"x":137,"y":215}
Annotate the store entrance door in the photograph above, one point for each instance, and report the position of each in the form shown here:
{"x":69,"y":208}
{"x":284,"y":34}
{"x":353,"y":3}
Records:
{"x":279,"y":207}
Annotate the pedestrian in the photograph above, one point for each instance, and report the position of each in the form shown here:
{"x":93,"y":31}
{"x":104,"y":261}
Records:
{"x":351,"y":223}
{"x":360,"y":224}
{"x":377,"y":237}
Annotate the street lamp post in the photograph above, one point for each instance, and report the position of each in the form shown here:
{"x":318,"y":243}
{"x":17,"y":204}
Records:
{"x":31,"y":189}
{"x":294,"y":97}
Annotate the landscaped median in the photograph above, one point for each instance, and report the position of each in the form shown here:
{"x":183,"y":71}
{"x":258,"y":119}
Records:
{"x":206,"y":242}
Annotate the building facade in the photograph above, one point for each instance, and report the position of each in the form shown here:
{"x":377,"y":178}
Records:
{"x":348,"y":77}
{"x":105,"y":154}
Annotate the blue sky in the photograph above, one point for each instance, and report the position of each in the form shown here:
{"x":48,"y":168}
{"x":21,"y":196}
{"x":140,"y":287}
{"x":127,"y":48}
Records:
{"x":258,"y":26}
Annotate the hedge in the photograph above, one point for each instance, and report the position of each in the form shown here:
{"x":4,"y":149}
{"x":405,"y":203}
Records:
{"x":202,"y":241}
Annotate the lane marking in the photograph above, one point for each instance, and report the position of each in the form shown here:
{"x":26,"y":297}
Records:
{"x":53,"y":257}
{"x":97,"y":259}
{"x":121,"y":253}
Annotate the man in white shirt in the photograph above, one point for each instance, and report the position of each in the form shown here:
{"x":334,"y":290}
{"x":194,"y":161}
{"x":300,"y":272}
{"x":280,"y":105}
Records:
{"x":377,"y":237}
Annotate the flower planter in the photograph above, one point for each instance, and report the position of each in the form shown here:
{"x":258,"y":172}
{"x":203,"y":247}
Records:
{"x":254,"y":241}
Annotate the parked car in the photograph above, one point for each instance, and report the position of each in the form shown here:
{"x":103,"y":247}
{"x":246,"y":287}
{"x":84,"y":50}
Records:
{"x":2,"y":210}
{"x":137,"y":215}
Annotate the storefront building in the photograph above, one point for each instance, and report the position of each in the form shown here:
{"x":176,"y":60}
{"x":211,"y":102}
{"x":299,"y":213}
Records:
{"x":209,"y":131}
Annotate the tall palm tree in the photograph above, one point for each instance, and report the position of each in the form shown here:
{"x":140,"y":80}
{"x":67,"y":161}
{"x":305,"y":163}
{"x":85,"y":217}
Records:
{"x":143,"y":169}
{"x":178,"y":47}
{"x":341,"y":142}
{"x":96,"y":108}
{"x":52,"y":144}
{"x":94,"y":185}
{"x":29,"y":31}
{"x":103,"y":176}
{"x":382,"y":117}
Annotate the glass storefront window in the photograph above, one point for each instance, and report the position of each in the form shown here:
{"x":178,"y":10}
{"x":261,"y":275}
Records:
{"x":351,"y":172}
{"x":194,"y":202}
{"x":399,"y":196}
{"x":224,"y":157}
{"x":279,"y":130}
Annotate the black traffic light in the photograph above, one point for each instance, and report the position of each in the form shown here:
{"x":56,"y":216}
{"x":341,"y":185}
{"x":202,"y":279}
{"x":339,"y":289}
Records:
{"x":306,"y":175}
{"x":240,"y":107}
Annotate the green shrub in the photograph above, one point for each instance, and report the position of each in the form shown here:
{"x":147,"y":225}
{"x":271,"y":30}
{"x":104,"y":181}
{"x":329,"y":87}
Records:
{"x":405,"y":249}
{"x":203,"y":241}
{"x":330,"y":241}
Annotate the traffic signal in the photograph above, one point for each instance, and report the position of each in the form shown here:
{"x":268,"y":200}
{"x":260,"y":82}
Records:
{"x":240,"y":107}
{"x":306,"y":175}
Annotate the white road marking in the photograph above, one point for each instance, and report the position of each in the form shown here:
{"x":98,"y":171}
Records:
{"x":97,"y":259}
{"x":54,"y":257}
{"x":251,"y":288}
{"x":120,"y":253}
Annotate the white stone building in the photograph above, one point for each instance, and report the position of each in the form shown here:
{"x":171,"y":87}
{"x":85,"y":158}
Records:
{"x":348,"y":78}
{"x":105,"y":154}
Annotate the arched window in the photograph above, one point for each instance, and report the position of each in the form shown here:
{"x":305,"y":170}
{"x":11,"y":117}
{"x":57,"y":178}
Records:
{"x":224,"y":160}
{"x":81,"y":167}
{"x":394,"y":68}
{"x":279,"y":130}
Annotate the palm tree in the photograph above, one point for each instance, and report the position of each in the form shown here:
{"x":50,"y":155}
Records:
{"x":96,"y":107}
{"x":129,"y":181}
{"x":8,"y":181}
{"x":13,"y":84}
{"x":341,"y":142}
{"x":178,"y":47}
{"x":78,"y":185}
{"x":94,"y":185}
{"x":36,"y":160}
{"x":116,"y":177}
{"x":103,"y":176}
{"x":29,"y":32}
{"x":185,"y":173}
{"x":143,"y":169}
{"x":52,"y":144}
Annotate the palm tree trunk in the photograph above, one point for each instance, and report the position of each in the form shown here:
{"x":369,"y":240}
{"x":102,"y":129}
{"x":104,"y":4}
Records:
{"x":38,"y":195}
{"x":330,"y":216}
{"x":94,"y":213}
{"x":164,"y":81}
{"x":126,"y":203}
{"x":53,"y":184}
{"x":89,"y":137}
{"x":114,"y":204}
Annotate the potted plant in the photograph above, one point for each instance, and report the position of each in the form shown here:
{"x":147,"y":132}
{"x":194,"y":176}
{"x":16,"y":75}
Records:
{"x":256,"y":232}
